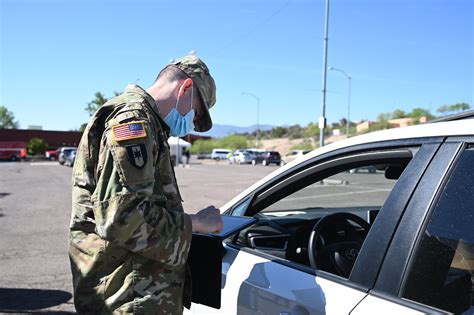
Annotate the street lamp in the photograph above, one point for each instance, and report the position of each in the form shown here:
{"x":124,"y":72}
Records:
{"x":348,"y":98}
{"x":322,"y":119}
{"x":258,"y":110}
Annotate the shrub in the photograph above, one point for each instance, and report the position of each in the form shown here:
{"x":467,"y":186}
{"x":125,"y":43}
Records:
{"x":37,"y":146}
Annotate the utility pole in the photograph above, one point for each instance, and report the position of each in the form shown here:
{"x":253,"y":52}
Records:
{"x":322,"y":119}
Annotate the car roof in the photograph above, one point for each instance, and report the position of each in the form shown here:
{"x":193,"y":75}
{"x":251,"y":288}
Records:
{"x":464,"y":127}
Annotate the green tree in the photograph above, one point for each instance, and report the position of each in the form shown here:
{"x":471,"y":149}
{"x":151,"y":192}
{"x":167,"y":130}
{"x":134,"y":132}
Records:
{"x":233,"y":142}
{"x":97,"y":102}
{"x":416,"y":113}
{"x":83,"y":127}
{"x":202,"y":146}
{"x":7,"y":119}
{"x":278,"y":132}
{"x":452,"y":109}
{"x":398,"y":113}
{"x":311,"y":130}
{"x":295,"y":132}
{"x":37,"y":146}
{"x":383,"y":117}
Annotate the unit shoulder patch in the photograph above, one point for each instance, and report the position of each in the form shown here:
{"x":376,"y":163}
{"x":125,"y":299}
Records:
{"x":128,"y":131}
{"x":137,"y":155}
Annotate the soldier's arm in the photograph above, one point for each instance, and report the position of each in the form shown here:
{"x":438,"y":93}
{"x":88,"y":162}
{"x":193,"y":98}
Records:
{"x":126,"y":210}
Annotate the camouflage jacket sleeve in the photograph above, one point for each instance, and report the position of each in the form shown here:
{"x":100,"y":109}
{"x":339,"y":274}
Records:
{"x":129,"y":209}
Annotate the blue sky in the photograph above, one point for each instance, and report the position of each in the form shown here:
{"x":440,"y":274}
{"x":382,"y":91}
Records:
{"x":401,"y":54}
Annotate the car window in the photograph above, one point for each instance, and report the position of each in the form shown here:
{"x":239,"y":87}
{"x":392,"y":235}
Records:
{"x":442,"y":272}
{"x":288,"y":213}
{"x":358,"y":192}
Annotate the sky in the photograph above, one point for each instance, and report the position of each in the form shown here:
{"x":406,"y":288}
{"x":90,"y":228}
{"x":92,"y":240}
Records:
{"x":400,"y":54}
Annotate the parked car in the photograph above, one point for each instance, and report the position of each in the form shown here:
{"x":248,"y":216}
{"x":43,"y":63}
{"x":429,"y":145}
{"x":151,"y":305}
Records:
{"x":368,"y":168}
{"x":63,"y":152}
{"x":241,"y":158}
{"x":292,"y":155}
{"x":220,"y":154}
{"x":52,"y":154}
{"x":400,"y":241}
{"x":267,"y":158}
{"x":70,"y":158}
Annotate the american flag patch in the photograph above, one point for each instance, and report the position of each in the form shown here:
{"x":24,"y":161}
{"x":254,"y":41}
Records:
{"x":131,"y":130}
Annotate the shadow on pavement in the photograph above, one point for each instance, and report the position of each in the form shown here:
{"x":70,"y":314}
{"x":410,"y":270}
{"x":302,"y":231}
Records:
{"x":15,"y":300}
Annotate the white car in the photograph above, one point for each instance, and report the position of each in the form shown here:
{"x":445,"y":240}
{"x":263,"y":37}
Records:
{"x":63,"y":153}
{"x":327,"y":241}
{"x":241,"y":158}
{"x":220,"y":154}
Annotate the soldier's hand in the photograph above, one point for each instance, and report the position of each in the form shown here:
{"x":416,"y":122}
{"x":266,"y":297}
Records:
{"x":207,"y":220}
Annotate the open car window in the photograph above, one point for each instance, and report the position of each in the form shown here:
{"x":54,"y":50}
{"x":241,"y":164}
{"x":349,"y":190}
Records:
{"x":344,"y":195}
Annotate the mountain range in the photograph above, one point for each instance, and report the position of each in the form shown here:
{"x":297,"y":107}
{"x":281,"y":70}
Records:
{"x":218,"y":131}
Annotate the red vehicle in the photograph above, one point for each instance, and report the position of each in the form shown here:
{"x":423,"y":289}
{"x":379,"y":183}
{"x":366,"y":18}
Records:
{"x":52,"y":154}
{"x":12,"y":150}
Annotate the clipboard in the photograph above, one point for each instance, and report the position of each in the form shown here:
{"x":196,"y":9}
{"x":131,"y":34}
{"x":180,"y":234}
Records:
{"x":205,"y":260}
{"x":231,"y":225}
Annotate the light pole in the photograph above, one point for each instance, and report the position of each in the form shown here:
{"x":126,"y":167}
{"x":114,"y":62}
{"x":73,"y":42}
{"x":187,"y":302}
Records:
{"x":322,"y":119}
{"x":258,"y":110}
{"x":348,"y":98}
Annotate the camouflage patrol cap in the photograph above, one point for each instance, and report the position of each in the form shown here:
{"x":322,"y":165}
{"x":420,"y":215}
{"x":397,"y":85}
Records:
{"x":197,"y":70}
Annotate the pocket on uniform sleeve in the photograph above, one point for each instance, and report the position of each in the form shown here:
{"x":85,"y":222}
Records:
{"x":131,"y":146}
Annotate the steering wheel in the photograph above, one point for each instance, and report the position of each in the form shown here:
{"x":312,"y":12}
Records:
{"x":336,"y":257}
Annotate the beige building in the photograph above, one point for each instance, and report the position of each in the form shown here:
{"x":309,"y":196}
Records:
{"x":399,"y":122}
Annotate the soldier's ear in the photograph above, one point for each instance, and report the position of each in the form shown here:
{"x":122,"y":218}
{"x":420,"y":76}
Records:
{"x":186,"y":84}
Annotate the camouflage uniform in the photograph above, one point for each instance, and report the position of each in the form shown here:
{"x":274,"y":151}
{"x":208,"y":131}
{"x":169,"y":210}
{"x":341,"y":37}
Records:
{"x":129,"y":238}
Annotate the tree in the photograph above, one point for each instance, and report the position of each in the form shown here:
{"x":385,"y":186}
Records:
{"x":96,"y":103}
{"x":312,"y":130}
{"x":398,"y":113}
{"x":233,"y":142}
{"x":37,"y":146}
{"x":278,"y":132}
{"x":452,"y":109}
{"x":383,"y":117}
{"x":416,"y":113}
{"x":7,"y":119}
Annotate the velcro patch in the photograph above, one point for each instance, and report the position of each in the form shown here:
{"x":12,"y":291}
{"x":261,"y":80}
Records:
{"x":137,"y":155}
{"x":127,"y":131}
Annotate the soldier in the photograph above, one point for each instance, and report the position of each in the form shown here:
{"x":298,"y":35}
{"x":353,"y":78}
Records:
{"x":129,"y":238}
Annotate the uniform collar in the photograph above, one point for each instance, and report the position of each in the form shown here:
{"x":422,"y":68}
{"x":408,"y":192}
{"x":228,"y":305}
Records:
{"x":136,"y":89}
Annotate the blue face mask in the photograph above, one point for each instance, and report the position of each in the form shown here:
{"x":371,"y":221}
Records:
{"x":180,"y":125}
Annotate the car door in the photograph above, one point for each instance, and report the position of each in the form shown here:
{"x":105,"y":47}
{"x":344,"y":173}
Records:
{"x":259,"y":281}
{"x":429,"y":266}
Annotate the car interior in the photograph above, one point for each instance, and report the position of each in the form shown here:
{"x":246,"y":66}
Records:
{"x":319,"y":216}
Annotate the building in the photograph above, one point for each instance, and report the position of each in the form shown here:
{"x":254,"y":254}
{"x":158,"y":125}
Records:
{"x":395,"y":123}
{"x":54,"y":139}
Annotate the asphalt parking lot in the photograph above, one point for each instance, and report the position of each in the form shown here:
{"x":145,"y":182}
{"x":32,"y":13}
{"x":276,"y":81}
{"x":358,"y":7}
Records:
{"x":35,"y":201}
{"x":35,"y":207}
